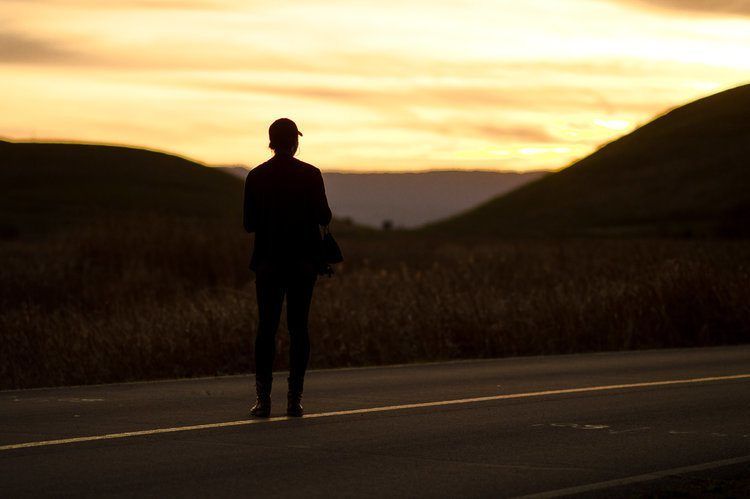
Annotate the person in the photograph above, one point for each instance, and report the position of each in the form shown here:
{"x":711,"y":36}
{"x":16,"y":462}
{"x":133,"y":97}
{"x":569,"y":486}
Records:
{"x":284,"y":205}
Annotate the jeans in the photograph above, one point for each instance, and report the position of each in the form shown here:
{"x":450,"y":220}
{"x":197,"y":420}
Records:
{"x":273,"y":281}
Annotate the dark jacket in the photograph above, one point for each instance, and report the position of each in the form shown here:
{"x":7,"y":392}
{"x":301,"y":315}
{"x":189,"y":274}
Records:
{"x":285,"y":202}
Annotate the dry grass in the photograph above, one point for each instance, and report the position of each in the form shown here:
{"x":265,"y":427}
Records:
{"x":151,"y":298}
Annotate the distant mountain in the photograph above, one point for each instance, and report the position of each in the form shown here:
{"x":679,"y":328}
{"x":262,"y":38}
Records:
{"x":685,"y":173}
{"x":411,"y":199}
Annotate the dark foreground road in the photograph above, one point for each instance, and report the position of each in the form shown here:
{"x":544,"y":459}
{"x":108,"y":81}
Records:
{"x":598,"y":425}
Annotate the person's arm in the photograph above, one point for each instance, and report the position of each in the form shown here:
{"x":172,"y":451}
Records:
{"x":323,"y":211}
{"x":249,"y":213}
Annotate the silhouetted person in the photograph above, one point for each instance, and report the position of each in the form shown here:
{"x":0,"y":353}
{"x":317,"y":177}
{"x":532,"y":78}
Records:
{"x":285,"y":203}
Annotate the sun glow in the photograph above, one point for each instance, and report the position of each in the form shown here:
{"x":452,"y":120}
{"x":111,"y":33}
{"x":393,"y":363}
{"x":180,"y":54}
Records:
{"x":380,"y":85}
{"x":618,"y":125}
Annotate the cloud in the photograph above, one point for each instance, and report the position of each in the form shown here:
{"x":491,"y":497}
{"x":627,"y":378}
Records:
{"x":518,"y":132}
{"x":177,"y":4}
{"x":477,"y":98}
{"x":464,"y":128}
{"x":710,"y":7}
{"x":135,"y":4}
{"x":21,"y":48}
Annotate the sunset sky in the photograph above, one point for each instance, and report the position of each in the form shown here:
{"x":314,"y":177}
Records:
{"x":373,"y":85}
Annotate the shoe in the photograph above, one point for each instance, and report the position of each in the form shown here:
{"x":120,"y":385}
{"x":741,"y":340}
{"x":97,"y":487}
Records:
{"x":294,"y":398}
{"x":294,"y":405}
{"x":262,"y":407}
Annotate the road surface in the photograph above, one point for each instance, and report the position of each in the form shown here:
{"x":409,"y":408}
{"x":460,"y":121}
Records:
{"x":611,"y":424}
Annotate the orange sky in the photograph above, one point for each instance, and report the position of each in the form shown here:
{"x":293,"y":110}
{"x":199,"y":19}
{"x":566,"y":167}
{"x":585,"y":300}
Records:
{"x":373,"y":85}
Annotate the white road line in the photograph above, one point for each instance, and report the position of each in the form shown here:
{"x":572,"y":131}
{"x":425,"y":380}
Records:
{"x":636,"y":479}
{"x":157,"y":431}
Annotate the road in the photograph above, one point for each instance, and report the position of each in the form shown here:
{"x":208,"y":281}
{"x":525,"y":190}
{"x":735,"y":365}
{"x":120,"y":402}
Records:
{"x":610,"y":424}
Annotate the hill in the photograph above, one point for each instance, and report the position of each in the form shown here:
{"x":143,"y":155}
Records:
{"x":411,"y":199}
{"x":685,"y":173}
{"x":49,"y":186}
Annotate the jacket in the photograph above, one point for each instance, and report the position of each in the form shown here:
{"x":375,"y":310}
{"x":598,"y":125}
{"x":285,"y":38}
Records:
{"x":284,"y":205}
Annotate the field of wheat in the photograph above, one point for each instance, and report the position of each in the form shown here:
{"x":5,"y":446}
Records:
{"x":149,"y":299}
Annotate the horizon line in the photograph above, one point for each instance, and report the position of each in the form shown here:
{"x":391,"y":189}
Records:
{"x":428,"y":169}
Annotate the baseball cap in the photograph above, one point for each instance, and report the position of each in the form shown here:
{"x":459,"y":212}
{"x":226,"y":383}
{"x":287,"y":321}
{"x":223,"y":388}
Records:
{"x":283,"y":131}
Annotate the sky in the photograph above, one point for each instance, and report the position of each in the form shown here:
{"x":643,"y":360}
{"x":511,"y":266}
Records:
{"x":374,"y":85}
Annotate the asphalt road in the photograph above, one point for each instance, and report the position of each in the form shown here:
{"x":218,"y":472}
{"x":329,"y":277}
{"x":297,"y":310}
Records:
{"x":614,"y":425}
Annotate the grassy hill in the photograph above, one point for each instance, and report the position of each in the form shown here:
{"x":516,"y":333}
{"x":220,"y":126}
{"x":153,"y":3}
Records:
{"x":687,"y":173}
{"x":46,"y":187}
{"x":52,"y":187}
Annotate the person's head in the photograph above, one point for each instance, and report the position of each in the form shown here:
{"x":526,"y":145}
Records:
{"x":284,"y":136}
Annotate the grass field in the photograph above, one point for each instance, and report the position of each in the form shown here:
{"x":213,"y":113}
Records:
{"x":149,"y":298}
